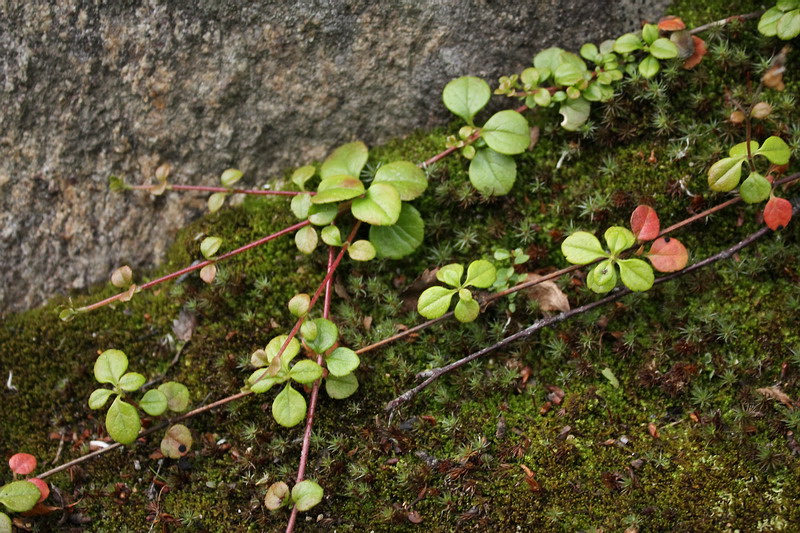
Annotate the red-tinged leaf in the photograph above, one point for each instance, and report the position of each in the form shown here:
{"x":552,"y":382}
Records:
{"x":668,"y":255}
{"x":777,"y":213}
{"x":644,"y":223}
{"x":699,"y":52}
{"x":43,"y":487}
{"x":22,"y":463}
{"x":652,"y":430}
{"x":671,"y":23}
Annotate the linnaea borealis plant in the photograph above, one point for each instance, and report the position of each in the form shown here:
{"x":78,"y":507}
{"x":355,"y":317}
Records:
{"x":20,"y":496}
{"x":435,"y":301}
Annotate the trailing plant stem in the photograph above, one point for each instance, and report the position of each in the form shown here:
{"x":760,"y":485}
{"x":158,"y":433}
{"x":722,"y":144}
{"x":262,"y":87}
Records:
{"x":203,"y":188}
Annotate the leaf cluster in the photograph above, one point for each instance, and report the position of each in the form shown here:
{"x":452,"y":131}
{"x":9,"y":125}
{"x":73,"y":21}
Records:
{"x":781,"y":20}
{"x":435,"y":301}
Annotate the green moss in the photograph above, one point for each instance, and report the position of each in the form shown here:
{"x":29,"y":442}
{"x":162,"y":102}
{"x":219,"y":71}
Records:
{"x":690,"y":356}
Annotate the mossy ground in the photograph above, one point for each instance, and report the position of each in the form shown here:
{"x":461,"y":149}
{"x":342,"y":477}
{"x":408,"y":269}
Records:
{"x":689,"y":355}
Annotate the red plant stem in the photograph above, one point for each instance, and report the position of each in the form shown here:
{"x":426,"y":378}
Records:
{"x":197,"y":266}
{"x":203,"y":188}
{"x":724,"y":21}
{"x":312,"y":403}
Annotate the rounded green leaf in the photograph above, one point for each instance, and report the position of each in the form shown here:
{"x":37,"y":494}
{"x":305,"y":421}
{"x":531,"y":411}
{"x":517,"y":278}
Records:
{"x":787,"y":5}
{"x":663,"y":48}
{"x":627,"y":43}
{"x":542,"y":97}
{"x":481,"y":274}
{"x":131,"y":381}
{"x":575,"y":113}
{"x":636,"y":274}
{"x":306,"y":495}
{"x":380,"y":207}
{"x":567,"y":74}
{"x":768,"y":23}
{"x":619,"y":239}
{"x":756,"y":188}
{"x":99,"y":397}
{"x":740,"y":149}
{"x":326,"y":337}
{"x":331,"y":236}
{"x":407,"y":178}
{"x":776,"y":150}
{"x":216,"y":201}
{"x":302,"y":175}
{"x":492,"y":173}
{"x":649,"y":67}
{"x":177,"y":395}
{"x":724,"y":175}
{"x":589,"y":51}
{"x":650,"y":33}
{"x":466,"y":96}
{"x":209,"y":246}
{"x":154,"y":402}
{"x":299,"y":304}
{"x":581,"y":248}
{"x":466,"y":310}
{"x":337,"y":189}
{"x":122,"y":422}
{"x":230,"y":176}
{"x":401,"y":238}
{"x":176,"y":442}
{"x":259,"y":382}
{"x":305,"y":371}
{"x":347,"y":160}
{"x":507,"y":132}
{"x":451,"y":274}
{"x":788,"y":26}
{"x":110,"y":366}
{"x":300,"y":205}
{"x":529,"y":77}
{"x":19,"y":496}
{"x":289,"y":407}
{"x":434,"y":301}
{"x":342,"y":361}
{"x":306,"y":239}
{"x":5,"y":523}
{"x":340,"y":388}
{"x":361,"y":250}
{"x":322,"y":215}
{"x":602,"y":278}
{"x":264,"y":357}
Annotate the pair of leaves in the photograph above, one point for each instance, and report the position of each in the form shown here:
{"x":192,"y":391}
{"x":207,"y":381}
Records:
{"x":228,"y":178}
{"x":650,"y":41}
{"x":304,"y":495}
{"x":435,"y":301}
{"x":725,"y":174}
{"x":782,"y":20}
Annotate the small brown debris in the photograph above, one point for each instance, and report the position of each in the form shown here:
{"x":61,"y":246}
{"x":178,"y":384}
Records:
{"x":653,"y":430}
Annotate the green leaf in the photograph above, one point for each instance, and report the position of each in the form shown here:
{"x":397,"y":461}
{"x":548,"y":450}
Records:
{"x":788,"y":26}
{"x":492,"y":173}
{"x":342,"y":361}
{"x":289,"y":407}
{"x":619,"y":239}
{"x":340,"y":388}
{"x":305,"y":371}
{"x":327,"y":335}
{"x":177,"y":395}
{"x":627,"y":43}
{"x":110,"y":366}
{"x":176,"y":442}
{"x":322,"y":215}
{"x":19,"y":496}
{"x":409,"y":180}
{"x":380,"y":207}
{"x":567,"y":74}
{"x":466,"y":310}
{"x":451,"y":274}
{"x":589,"y":52}
{"x":230,"y":177}
{"x":298,"y":305}
{"x":122,"y":422}
{"x":581,"y":248}
{"x":361,"y":250}
{"x":724,"y":175}
{"x":542,"y":97}
{"x":481,"y":274}
{"x":216,"y":201}
{"x":529,"y":77}
{"x":331,"y":236}
{"x":154,"y":402}
{"x":337,"y":189}
{"x":603,"y":277}
{"x":5,"y":523}
{"x":277,"y":496}
{"x":636,"y":274}
{"x":306,"y":239}
{"x":434,"y":301}
{"x":756,"y":188}
{"x":131,"y":381}
{"x":768,"y":23}
{"x":259,"y":382}
{"x":302,"y":175}
{"x":575,"y":113}
{"x":649,"y":67}
{"x":547,"y":61}
{"x":663,"y":48}
{"x":597,"y":92}
{"x":300,"y":205}
{"x":776,"y":150}
{"x":401,"y":238}
{"x":306,"y":495}
{"x":272,"y":349}
{"x":466,"y":96}
{"x":347,"y":160}
{"x":507,"y":132}
{"x":99,"y":397}
{"x":650,"y":33}
{"x":609,"y":375}
{"x":209,"y":246}
{"x":740,"y":150}
{"x":787,"y":5}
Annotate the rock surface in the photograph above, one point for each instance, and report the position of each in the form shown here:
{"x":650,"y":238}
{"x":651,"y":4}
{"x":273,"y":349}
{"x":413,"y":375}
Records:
{"x":94,"y":88}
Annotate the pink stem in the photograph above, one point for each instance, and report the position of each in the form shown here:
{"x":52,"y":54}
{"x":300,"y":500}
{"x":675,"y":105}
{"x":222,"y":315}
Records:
{"x":203,"y":188}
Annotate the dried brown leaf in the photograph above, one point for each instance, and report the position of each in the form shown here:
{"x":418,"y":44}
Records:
{"x":548,"y":295}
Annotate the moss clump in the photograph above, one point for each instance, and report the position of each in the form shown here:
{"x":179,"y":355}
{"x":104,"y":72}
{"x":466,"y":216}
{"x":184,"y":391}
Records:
{"x":699,"y":360}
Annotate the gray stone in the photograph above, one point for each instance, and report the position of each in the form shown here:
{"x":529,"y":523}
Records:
{"x":90,"y":88}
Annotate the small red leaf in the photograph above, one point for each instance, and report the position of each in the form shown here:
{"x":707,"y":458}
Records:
{"x":777,"y":213}
{"x":699,"y":51}
{"x":668,"y":255}
{"x":43,"y":487}
{"x":644,"y":223}
{"x":22,"y":463}
{"x":671,"y":23}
